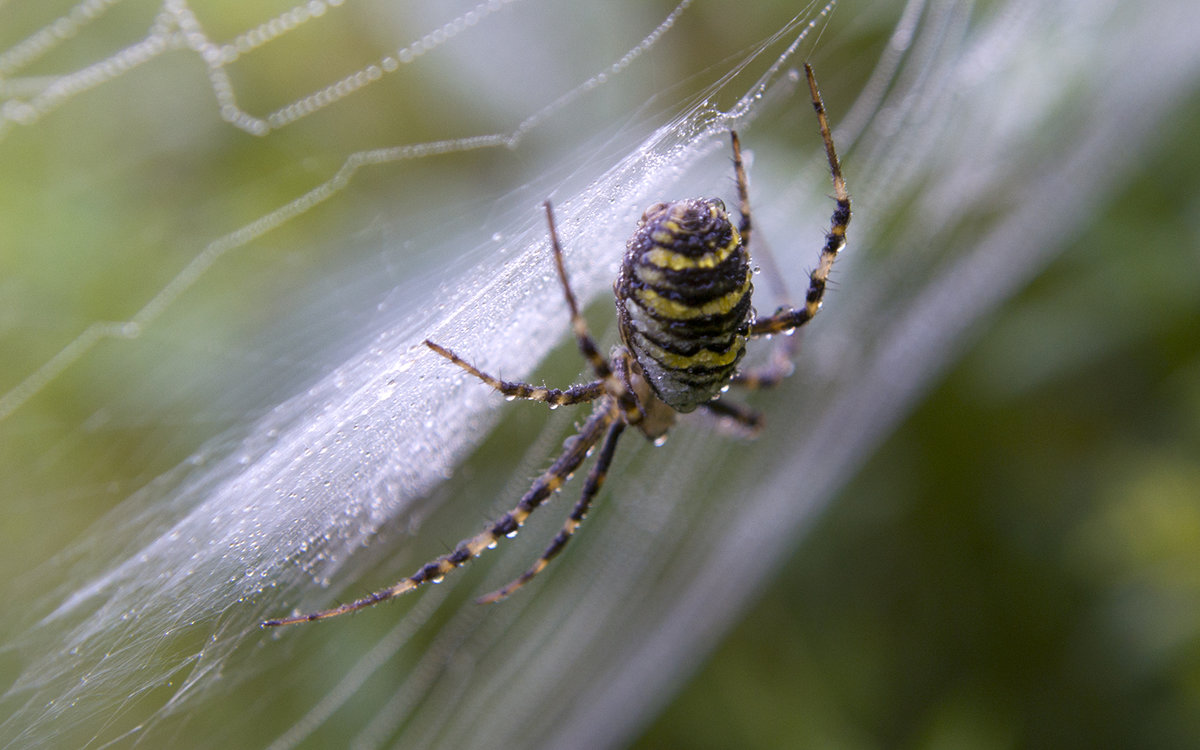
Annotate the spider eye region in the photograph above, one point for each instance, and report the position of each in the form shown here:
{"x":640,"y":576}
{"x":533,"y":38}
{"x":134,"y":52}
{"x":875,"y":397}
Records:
{"x":683,"y":299}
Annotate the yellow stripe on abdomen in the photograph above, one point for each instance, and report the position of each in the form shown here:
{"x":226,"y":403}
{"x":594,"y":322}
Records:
{"x":665,"y":307}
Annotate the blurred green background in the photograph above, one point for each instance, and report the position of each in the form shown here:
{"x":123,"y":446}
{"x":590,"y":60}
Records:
{"x":1018,"y":566}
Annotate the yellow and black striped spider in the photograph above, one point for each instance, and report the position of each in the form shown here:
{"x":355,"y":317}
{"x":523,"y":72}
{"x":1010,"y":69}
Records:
{"x":684,"y":312}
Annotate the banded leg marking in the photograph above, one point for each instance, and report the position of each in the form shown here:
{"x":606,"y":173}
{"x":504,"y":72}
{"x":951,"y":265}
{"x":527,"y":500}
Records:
{"x":595,"y":480}
{"x":835,"y":239}
{"x":576,"y":394}
{"x":574,"y":451}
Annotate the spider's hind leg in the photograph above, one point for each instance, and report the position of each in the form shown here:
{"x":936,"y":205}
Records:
{"x":595,"y":480}
{"x":743,"y":418}
{"x":575,"y":450}
{"x":771,"y":373}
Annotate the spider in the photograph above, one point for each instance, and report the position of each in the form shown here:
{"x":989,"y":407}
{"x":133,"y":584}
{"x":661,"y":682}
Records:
{"x":684,"y":314}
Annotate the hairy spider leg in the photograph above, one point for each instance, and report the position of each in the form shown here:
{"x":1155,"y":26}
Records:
{"x":581,"y":393}
{"x":780,"y":366}
{"x":575,"y":450}
{"x":587,"y":345}
{"x":576,"y":394}
{"x":788,"y":319}
{"x":595,"y":480}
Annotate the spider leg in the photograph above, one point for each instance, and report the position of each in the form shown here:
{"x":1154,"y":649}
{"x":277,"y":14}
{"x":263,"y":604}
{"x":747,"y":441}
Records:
{"x":780,"y":365}
{"x":772,"y":373}
{"x":576,"y":394}
{"x":787,"y":319}
{"x":587,"y":345}
{"x":743,"y":188}
{"x":622,"y":367}
{"x":575,"y":450}
{"x":595,"y":480}
{"x":744,"y":417}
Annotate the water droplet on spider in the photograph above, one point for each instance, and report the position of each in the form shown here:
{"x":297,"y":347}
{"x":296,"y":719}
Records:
{"x":725,"y":388}
{"x":757,"y":269}
{"x":510,"y":397}
{"x":511,"y":534}
{"x":790,"y":332}
{"x":554,"y":406}
{"x":493,"y":544}
{"x":660,"y":441}
{"x":437,"y":579}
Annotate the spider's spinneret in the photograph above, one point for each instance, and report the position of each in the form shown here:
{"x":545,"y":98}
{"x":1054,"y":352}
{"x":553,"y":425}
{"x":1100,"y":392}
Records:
{"x":683,"y":300}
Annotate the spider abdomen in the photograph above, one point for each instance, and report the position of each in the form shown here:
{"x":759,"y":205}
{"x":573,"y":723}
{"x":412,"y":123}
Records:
{"x":683,"y":300}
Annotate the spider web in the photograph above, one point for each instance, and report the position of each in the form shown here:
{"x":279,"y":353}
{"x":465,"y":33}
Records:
{"x":232,"y":224}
